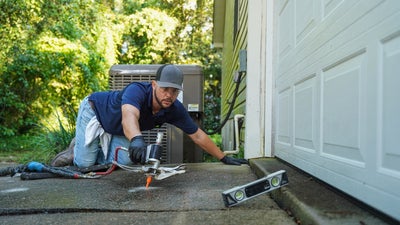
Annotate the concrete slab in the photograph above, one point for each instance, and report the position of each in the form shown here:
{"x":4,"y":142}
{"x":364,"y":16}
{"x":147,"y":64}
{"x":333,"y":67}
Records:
{"x":190,"y":198}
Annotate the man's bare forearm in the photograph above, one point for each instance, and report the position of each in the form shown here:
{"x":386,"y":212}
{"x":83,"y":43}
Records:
{"x":130,"y":121}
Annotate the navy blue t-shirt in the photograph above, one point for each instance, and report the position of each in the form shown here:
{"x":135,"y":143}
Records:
{"x":139,"y":94}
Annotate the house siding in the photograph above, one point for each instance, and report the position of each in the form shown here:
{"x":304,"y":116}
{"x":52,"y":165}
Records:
{"x":233,"y":43}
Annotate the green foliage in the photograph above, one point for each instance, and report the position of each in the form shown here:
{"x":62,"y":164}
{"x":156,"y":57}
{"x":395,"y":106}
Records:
{"x":212,"y":92}
{"x":217,"y":139}
{"x":146,"y":36}
{"x":14,"y":148}
{"x":191,"y":44}
{"x":52,"y":136}
{"x":41,"y":144}
{"x":154,"y":36}
{"x":53,"y":53}
{"x":130,"y":7}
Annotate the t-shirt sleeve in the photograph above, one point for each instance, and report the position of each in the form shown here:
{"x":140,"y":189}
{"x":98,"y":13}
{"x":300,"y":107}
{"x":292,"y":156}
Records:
{"x":183,"y":121}
{"x":134,"y":94}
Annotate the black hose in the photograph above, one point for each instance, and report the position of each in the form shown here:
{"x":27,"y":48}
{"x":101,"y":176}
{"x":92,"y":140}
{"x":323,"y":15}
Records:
{"x":12,"y":170}
{"x":232,"y":104}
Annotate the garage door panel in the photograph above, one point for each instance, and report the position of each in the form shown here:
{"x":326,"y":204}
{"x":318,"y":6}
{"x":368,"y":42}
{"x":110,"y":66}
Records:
{"x":337,"y":100}
{"x":307,"y":16}
{"x":330,"y":5}
{"x":286,"y":31}
{"x":341,"y":110}
{"x":284,"y":117}
{"x":390,"y":80}
{"x":348,"y":20}
{"x":304,"y":115}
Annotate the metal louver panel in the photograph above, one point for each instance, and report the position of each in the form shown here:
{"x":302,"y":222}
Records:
{"x":119,"y":82}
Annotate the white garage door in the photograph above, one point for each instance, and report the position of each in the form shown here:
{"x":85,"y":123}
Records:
{"x":337,"y":97}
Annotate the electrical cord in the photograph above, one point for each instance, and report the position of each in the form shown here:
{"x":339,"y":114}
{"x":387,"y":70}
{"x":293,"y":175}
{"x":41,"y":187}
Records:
{"x":232,"y":104}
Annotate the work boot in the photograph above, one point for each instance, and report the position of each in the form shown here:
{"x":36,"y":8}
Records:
{"x":66,"y":157}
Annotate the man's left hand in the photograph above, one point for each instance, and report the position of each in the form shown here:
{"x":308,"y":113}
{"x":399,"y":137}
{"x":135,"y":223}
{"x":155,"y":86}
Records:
{"x":232,"y":161}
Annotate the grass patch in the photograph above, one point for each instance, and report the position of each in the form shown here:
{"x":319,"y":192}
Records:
{"x":41,"y":147}
{"x":22,"y":149}
{"x":12,"y":149}
{"x":42,"y":144}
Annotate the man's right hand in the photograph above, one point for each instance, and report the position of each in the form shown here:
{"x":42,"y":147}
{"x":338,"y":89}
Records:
{"x":137,"y":150}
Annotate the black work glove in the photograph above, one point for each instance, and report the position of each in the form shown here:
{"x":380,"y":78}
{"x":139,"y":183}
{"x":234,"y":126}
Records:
{"x":137,"y":150}
{"x":232,"y":161}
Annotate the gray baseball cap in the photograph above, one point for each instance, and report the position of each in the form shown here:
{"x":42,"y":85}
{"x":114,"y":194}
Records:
{"x":169,"y":76}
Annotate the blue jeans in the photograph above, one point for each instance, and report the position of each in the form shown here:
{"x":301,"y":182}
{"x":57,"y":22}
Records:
{"x":92,"y":154}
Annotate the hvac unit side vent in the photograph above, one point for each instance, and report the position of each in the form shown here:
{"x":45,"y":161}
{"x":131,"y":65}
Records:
{"x":119,"y":82}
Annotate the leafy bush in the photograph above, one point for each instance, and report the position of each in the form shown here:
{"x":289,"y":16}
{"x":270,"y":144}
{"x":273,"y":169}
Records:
{"x":41,"y":144}
{"x":59,"y":53}
{"x":53,"y":53}
{"x":146,"y":36}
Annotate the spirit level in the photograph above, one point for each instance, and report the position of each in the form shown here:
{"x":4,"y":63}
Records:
{"x":263,"y":185}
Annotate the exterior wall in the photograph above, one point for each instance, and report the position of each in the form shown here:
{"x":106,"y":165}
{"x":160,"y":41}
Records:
{"x":255,"y":101}
{"x":233,"y":43}
{"x":259,"y":85}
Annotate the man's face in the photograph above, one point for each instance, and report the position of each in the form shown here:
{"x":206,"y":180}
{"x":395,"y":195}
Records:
{"x":164,"y":96}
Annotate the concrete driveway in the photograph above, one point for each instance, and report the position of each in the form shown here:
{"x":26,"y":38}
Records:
{"x":121,"y":198}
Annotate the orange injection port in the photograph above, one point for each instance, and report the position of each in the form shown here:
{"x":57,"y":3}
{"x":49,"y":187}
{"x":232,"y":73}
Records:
{"x":148,"y":181}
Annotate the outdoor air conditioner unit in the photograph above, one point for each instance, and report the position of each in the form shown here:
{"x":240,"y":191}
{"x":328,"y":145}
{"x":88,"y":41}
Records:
{"x":177,"y":146}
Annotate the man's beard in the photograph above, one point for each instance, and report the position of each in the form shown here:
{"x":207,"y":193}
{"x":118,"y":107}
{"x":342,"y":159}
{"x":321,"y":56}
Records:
{"x":158,"y":100}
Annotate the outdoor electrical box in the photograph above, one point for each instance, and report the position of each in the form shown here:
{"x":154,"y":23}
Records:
{"x":177,"y":146}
